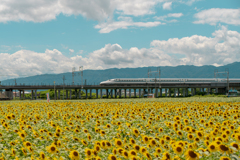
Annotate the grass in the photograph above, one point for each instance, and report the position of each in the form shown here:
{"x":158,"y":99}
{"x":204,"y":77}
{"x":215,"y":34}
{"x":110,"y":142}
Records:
{"x":142,"y":100}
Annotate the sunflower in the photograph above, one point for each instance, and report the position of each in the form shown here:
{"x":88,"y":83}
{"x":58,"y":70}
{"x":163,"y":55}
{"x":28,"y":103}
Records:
{"x":145,"y":139}
{"x":112,"y":157}
{"x":120,"y":150}
{"x":125,"y":154}
{"x":76,"y":139}
{"x":179,"y":133}
{"x":133,"y":153}
{"x":132,"y":141}
{"x":225,"y":158}
{"x":102,"y":132}
{"x":118,"y":143}
{"x":114,"y":151}
{"x":178,"y":150}
{"x":27,"y":144}
{"x":98,"y":158}
{"x":88,"y":152}
{"x":235,"y":145}
{"x":74,"y":155}
{"x":143,"y":150}
{"x":137,"y":148}
{"x":22,"y":135}
{"x":12,"y":143}
{"x":57,"y":135}
{"x":42,"y":156}
{"x":166,"y":156}
{"x":108,"y":144}
{"x":152,"y":143}
{"x":190,"y":136}
{"x":13,"y":151}
{"x":103,"y":144}
{"x":30,"y":149}
{"x":237,"y":137}
{"x":158,"y":150}
{"x":147,"y":155}
{"x":212,"y":147}
{"x":24,"y":151}
{"x":84,"y":142}
{"x":97,"y":148}
{"x":162,"y":141}
{"x":223,"y":148}
{"x":168,"y":138}
{"x":85,"y":131}
{"x":192,"y":155}
{"x":89,"y":137}
{"x":51,"y":149}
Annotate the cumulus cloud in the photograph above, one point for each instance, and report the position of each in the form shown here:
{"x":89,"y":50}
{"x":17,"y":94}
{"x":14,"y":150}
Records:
{"x":124,"y":23}
{"x":45,"y":10}
{"x":136,"y":7}
{"x":80,"y":52}
{"x":174,"y":15}
{"x":218,"y":15}
{"x":100,"y":10}
{"x":167,"y":5}
{"x":221,"y":48}
{"x":71,"y":51}
{"x":177,"y":15}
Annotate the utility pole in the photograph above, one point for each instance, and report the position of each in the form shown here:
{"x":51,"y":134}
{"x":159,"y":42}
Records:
{"x":54,"y":92}
{"x":73,"y":70}
{"x":81,"y":74}
{"x":63,"y":85}
{"x":226,"y":73}
{"x":158,"y":72}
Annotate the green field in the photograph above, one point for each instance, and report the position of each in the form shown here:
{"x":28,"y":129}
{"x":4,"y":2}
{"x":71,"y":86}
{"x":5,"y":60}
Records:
{"x":142,"y":100}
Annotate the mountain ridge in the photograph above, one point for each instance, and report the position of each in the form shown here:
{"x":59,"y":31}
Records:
{"x":97,"y":76}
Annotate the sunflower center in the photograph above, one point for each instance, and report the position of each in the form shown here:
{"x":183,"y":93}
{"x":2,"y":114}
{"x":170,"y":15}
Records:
{"x":223,"y":148}
{"x":179,"y":149}
{"x":75,"y":154}
{"x":53,"y":148}
{"x":89,"y":152}
{"x":192,"y":154}
{"x":119,"y":143}
{"x":235,"y":145}
{"x":212,"y":147}
{"x":113,"y":158}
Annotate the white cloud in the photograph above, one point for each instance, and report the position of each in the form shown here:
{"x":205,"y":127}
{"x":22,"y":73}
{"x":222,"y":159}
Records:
{"x":71,"y":51}
{"x":220,"y":49}
{"x":45,"y":10}
{"x":125,"y":23}
{"x":177,"y":15}
{"x":100,"y":10}
{"x":218,"y":15}
{"x":136,"y":7}
{"x":167,"y":5}
{"x":63,"y":46}
{"x":170,"y":15}
{"x":80,"y":52}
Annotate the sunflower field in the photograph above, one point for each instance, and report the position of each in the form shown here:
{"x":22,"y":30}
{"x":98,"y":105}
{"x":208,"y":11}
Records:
{"x":118,"y":130}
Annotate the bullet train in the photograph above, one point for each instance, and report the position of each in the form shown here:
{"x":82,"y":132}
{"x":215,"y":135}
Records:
{"x":124,"y":81}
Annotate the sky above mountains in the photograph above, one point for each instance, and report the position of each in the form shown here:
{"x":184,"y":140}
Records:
{"x":52,"y":36}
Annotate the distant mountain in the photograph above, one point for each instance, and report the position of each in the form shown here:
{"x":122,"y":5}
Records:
{"x":97,"y":76}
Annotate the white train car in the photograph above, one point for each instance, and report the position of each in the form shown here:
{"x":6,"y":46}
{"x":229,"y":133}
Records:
{"x":132,"y":81}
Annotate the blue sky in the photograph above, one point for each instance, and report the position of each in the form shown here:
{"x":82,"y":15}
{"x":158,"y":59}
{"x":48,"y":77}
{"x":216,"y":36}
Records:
{"x":54,"y":36}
